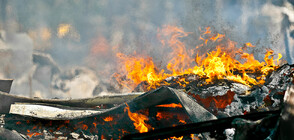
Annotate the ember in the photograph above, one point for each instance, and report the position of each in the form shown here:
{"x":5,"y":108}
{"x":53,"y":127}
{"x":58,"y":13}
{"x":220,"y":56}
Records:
{"x":108,"y":119}
{"x":172,"y":105}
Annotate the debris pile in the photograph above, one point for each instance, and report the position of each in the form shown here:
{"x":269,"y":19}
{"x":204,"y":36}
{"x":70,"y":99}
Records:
{"x":226,"y":103}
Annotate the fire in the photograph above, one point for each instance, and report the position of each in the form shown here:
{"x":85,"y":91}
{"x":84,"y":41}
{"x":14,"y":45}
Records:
{"x":172,"y":105}
{"x":140,"y":69}
{"x":138,"y":119}
{"x":226,"y":61}
{"x":217,"y":36}
{"x":248,"y":44}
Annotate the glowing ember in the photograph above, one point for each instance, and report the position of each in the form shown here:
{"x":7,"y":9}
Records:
{"x":31,"y":134}
{"x":172,"y":105}
{"x":220,"y":63}
{"x":182,"y":121}
{"x":108,"y":119}
{"x":176,"y":138}
{"x":95,"y":124}
{"x":138,"y":119}
{"x":84,"y":127}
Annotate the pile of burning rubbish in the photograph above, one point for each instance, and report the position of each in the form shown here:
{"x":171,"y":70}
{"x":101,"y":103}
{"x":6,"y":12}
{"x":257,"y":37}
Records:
{"x":224,"y":94}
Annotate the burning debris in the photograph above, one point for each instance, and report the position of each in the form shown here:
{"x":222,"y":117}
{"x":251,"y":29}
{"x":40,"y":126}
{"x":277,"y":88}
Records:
{"x":219,"y":65}
{"x":223,"y":94}
{"x":163,"y":109}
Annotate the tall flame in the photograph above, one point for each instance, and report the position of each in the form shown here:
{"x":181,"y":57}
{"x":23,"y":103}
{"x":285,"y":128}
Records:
{"x":138,"y":119}
{"x":220,"y":63}
{"x":139,"y":69}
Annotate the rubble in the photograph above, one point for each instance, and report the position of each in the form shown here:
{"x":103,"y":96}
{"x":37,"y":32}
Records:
{"x":210,"y":111}
{"x":191,"y":111}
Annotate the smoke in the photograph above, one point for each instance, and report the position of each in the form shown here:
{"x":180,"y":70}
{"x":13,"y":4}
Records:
{"x":85,"y":36}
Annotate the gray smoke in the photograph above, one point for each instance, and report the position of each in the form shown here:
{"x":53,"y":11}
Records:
{"x":47,"y":64}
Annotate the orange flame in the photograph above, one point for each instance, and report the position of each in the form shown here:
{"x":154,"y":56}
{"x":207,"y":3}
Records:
{"x":216,"y":37}
{"x":248,"y":44}
{"x":172,"y":105}
{"x":140,"y":69}
{"x":138,"y":119}
{"x":220,"y":63}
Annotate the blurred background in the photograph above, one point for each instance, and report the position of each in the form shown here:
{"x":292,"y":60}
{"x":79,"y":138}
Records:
{"x":67,"y":49}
